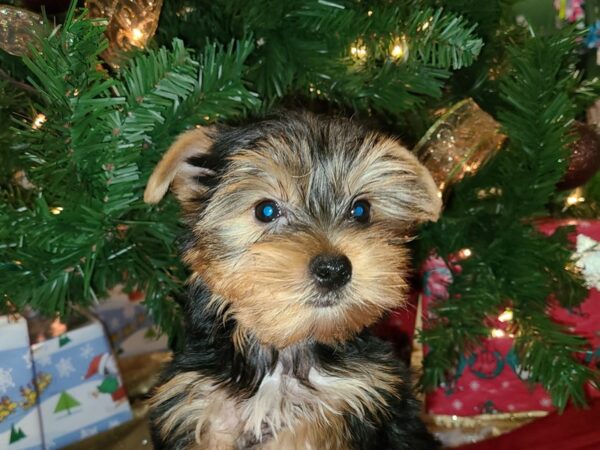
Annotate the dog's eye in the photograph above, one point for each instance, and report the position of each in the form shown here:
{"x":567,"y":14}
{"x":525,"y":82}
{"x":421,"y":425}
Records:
{"x":267,"y":211}
{"x":361,"y":211}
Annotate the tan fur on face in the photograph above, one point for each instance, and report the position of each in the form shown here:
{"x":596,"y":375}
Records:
{"x":314,"y":170}
{"x":297,"y":416}
{"x":277,"y":301}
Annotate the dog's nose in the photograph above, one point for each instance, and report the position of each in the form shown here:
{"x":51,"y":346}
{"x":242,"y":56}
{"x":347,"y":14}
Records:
{"x":331,"y":271}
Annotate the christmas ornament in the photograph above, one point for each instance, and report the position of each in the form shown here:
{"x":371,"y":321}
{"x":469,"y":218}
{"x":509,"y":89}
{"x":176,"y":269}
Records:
{"x":131,"y":23}
{"x":459,"y":143}
{"x":592,"y":39}
{"x":17,"y":29}
{"x":585,"y":157}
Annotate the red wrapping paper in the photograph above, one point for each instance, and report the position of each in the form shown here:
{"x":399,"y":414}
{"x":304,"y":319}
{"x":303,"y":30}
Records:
{"x":491,"y":380}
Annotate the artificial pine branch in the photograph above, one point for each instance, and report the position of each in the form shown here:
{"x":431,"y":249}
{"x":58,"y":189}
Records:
{"x":296,"y":52}
{"x":107,"y":145}
{"x":513,"y":264}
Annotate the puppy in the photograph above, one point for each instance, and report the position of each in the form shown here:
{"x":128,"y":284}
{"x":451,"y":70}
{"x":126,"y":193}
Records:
{"x":296,"y":245}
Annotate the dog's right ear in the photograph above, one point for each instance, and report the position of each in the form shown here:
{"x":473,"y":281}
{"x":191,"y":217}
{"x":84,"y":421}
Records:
{"x":183,"y":167}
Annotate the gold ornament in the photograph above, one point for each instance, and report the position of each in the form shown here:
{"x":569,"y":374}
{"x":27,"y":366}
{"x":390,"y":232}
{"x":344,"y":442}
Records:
{"x":17,"y":29}
{"x":458,"y":143}
{"x":131,"y":23}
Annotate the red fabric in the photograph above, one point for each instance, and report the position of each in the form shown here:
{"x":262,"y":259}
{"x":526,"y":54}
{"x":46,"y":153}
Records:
{"x":576,"y":429}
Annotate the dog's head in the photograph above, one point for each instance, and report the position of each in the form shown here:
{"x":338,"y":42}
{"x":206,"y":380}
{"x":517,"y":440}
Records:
{"x":298,"y":222}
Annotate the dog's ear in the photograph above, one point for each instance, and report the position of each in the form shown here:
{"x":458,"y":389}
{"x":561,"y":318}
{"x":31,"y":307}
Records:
{"x":425,"y":197}
{"x":183,"y":167}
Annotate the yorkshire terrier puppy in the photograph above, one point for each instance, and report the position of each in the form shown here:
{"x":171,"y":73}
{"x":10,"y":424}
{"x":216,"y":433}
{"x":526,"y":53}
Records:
{"x":297,"y":232}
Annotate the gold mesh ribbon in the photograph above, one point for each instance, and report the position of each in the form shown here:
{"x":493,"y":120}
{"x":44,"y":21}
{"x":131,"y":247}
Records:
{"x":458,"y":143}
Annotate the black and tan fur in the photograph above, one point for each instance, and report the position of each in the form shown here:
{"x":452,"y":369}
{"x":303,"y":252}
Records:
{"x":273,"y":361}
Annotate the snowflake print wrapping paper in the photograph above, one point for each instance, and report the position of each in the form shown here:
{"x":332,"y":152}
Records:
{"x":20,"y":427}
{"x":82,"y":391}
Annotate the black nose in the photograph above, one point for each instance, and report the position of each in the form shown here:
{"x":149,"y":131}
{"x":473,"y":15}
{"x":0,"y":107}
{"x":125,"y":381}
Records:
{"x":331,"y":271}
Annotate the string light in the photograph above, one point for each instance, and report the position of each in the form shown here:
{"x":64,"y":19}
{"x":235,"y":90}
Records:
{"x":506,"y":316}
{"x":39,"y":120}
{"x":485,"y":193}
{"x":358,"y":50}
{"x":498,"y":333}
{"x":465,"y":253}
{"x":56,"y":210}
{"x":575,"y":197}
{"x":399,"y":49}
{"x":136,"y":37}
{"x":369,"y":13}
{"x":425,"y":24}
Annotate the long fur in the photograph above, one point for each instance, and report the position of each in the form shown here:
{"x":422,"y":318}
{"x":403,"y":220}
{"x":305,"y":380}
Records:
{"x":264,"y":366}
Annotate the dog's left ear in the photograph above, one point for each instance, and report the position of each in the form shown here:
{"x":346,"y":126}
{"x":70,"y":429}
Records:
{"x":182,"y":167}
{"x":425,"y":197}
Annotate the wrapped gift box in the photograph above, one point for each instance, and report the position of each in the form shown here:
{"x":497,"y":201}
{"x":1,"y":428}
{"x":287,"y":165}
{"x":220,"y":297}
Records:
{"x":81,"y":393}
{"x":490,"y":380}
{"x":129,"y":324}
{"x":20,"y":427}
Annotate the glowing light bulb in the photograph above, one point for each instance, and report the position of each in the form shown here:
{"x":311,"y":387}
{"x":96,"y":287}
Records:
{"x":358,"y":50}
{"x":136,"y":36}
{"x":465,"y":253}
{"x":39,"y":120}
{"x":56,"y":210}
{"x":506,"y":316}
{"x":574,"y":199}
{"x":399,"y":49}
{"x":498,"y":333}
{"x":369,"y":13}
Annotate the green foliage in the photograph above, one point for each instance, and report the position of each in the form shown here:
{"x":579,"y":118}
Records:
{"x":298,"y":54}
{"x":513,"y":264}
{"x":79,"y":226}
{"x":91,"y":158}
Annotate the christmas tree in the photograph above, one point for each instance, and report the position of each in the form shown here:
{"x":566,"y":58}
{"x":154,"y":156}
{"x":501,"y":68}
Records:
{"x":87,"y":115}
{"x":66,"y":402}
{"x":16,"y":434}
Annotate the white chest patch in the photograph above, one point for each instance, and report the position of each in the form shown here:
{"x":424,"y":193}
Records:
{"x":283,"y":402}
{"x":283,"y":414}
